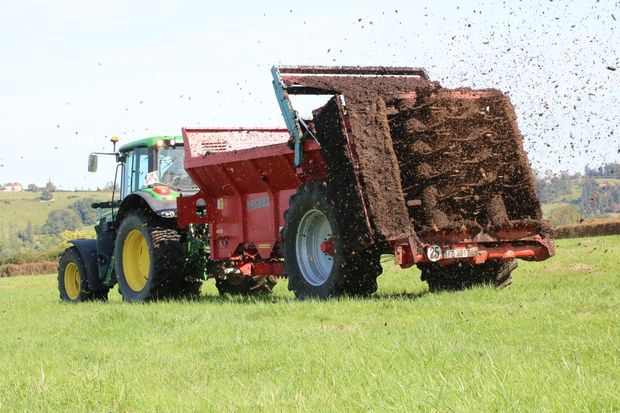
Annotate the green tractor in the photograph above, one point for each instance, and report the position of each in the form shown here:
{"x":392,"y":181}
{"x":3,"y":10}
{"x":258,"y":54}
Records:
{"x":138,"y":245}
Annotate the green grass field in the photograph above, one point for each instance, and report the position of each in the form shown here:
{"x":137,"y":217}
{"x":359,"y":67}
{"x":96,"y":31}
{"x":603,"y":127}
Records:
{"x":550,"y":342}
{"x":17,"y":208}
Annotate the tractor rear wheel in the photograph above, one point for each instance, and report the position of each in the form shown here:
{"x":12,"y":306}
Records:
{"x":460,"y":276}
{"x":314,"y":258}
{"x":150,"y":259}
{"x":73,"y":279}
{"x":240,"y":285}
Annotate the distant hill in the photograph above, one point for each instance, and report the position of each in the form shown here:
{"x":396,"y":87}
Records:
{"x":19,"y":208}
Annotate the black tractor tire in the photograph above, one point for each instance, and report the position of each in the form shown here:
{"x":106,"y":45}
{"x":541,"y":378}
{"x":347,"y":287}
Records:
{"x":349,"y":274}
{"x":150,"y":259}
{"x":73,"y":279}
{"x":459,"y":276}
{"x":247,"y":286}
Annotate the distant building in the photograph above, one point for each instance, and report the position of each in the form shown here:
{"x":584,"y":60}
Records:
{"x":11,"y":187}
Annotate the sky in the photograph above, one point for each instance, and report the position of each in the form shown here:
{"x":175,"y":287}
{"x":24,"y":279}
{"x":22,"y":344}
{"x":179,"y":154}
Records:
{"x":75,"y":73}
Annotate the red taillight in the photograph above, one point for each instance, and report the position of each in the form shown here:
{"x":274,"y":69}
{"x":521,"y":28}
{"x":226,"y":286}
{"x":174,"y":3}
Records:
{"x":161,"y":190}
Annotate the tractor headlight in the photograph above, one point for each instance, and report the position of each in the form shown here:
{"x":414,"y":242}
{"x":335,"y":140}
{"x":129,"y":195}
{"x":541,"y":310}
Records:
{"x":173,"y":142}
{"x":160,"y":143}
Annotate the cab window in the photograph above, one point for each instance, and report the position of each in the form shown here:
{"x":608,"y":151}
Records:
{"x":134,"y":171}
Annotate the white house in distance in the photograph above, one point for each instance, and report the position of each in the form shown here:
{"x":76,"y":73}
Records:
{"x":11,"y":187}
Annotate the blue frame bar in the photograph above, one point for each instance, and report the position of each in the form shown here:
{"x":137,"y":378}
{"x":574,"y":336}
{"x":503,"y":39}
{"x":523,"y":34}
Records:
{"x":288,"y":113}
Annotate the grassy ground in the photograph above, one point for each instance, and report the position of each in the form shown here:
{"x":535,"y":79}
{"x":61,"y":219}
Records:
{"x":17,"y":208}
{"x":550,"y":342}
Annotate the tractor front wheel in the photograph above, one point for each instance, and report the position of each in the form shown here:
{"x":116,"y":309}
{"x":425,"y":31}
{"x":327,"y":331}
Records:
{"x":150,"y":259}
{"x":73,"y":279}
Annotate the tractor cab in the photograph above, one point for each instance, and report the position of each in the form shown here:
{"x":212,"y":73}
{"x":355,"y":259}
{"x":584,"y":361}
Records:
{"x":154,"y":166}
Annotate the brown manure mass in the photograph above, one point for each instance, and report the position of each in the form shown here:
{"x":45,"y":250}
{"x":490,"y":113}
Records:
{"x":414,"y":158}
{"x":465,"y":148}
{"x":343,"y":185}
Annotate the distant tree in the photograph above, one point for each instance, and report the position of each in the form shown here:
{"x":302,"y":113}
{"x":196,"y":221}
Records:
{"x":27,"y":235}
{"x":30,"y":232}
{"x":588,"y":190}
{"x":50,"y":186}
{"x":46,"y":195}
{"x":592,"y":198}
{"x":61,"y":220}
{"x":87,"y":214}
{"x":110,"y":186}
{"x":608,"y":170}
{"x":552,"y":189}
{"x":32,"y":188}
{"x":12,"y":233}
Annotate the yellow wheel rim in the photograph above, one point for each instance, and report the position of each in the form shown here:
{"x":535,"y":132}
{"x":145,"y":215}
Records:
{"x":72,"y":280}
{"x":136,"y":260}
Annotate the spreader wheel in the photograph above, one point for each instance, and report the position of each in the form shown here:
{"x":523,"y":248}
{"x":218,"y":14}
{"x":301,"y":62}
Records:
{"x":150,"y":259}
{"x":314,"y":260}
{"x":460,"y":276}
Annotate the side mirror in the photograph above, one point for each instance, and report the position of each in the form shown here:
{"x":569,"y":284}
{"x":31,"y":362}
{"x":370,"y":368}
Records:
{"x":92,"y":163}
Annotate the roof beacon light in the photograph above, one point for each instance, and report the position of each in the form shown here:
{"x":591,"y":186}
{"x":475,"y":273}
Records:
{"x":113,"y":139}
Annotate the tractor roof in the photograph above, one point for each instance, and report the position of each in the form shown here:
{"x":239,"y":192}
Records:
{"x":147,"y":142}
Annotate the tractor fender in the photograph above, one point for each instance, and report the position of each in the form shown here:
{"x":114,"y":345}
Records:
{"x":87,"y":248}
{"x":140,"y":200}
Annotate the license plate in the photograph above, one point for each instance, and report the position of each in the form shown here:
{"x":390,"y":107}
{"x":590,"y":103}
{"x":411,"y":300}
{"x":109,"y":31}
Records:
{"x":435,"y":253}
{"x":460,"y":253}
